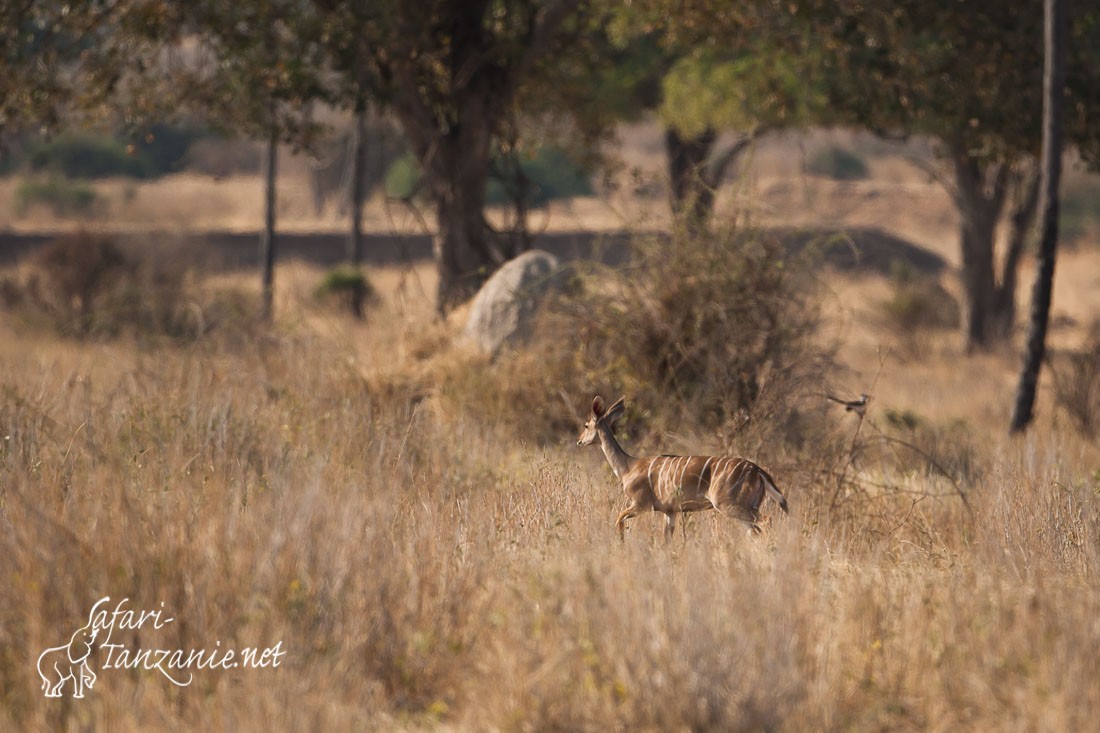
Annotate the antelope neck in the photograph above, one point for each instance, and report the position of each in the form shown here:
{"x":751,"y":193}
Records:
{"x":619,"y":459}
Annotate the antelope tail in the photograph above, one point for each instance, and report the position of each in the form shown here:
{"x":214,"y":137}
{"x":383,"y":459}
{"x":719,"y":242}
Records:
{"x":774,"y":492}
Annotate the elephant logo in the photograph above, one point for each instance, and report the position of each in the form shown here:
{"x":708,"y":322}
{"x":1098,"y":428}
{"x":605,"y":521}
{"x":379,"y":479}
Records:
{"x":60,"y":664}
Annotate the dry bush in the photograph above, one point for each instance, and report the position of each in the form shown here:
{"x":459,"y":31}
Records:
{"x":85,"y":285}
{"x":911,"y":443}
{"x":713,"y":332}
{"x":918,"y":308}
{"x":722,"y":323}
{"x":1075,"y":379}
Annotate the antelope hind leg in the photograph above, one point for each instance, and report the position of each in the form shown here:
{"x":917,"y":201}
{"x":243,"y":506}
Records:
{"x":733,"y":510}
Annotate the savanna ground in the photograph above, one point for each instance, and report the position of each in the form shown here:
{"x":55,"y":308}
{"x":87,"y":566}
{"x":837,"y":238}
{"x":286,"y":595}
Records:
{"x":416,"y":527}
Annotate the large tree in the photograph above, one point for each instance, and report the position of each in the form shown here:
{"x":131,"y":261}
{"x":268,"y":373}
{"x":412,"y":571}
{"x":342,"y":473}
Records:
{"x":750,"y":89}
{"x":451,"y":72}
{"x":968,"y":75}
{"x":57,"y":59}
{"x":712,"y":99}
{"x":965,"y":74}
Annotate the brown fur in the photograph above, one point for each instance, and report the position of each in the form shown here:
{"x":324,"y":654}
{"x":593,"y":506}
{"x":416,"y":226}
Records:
{"x":736,"y":487}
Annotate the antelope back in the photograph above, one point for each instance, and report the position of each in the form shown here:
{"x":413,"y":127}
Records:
{"x":699,"y":482}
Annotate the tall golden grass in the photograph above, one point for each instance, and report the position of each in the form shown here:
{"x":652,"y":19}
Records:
{"x":424,"y":567}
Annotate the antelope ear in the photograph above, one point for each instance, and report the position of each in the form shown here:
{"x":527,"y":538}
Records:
{"x":616,"y":410}
{"x":597,"y":406}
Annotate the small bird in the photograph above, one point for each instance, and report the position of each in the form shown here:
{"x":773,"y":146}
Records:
{"x":857,"y":406}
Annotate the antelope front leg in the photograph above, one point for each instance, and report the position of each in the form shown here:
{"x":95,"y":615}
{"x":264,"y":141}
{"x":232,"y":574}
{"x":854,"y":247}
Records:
{"x":620,"y":523}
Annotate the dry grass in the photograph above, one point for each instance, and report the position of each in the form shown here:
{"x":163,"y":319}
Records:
{"x":430,"y":563}
{"x":424,"y":570}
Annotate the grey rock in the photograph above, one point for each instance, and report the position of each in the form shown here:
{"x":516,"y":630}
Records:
{"x":503,"y":310}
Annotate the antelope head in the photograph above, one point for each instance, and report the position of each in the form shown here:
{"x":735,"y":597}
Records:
{"x":601,"y":417}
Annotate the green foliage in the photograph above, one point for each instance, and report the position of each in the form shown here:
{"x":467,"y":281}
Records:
{"x":760,"y":87}
{"x":551,"y":174}
{"x":48,"y":66}
{"x":346,"y":284}
{"x":164,"y":147}
{"x":86,"y":155}
{"x":92,"y":155}
{"x":837,"y":163}
{"x":968,"y":74}
{"x":63,"y":197}
{"x":268,"y":71}
{"x":403,"y":179}
{"x":1079,"y":209}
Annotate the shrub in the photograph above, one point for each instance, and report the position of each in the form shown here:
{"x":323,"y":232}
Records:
{"x":73,"y":274}
{"x":917,"y":305}
{"x":164,"y":148}
{"x":723,"y":325}
{"x":60,"y":196}
{"x":159,"y":151}
{"x":1075,"y":379}
{"x":86,"y":286}
{"x":1078,"y":212}
{"x":550,"y":174}
{"x":347,"y":285}
{"x":403,"y":178}
{"x":85,"y":155}
{"x":710,"y":333}
{"x":837,"y":163}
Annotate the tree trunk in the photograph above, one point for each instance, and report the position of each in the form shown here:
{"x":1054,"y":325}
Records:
{"x":466,"y":254}
{"x":267,"y":237}
{"x":1023,"y":216}
{"x":356,"y":194}
{"x":691,"y":199}
{"x":452,"y":104}
{"x":1054,"y":37}
{"x":977,"y":235}
{"x":980,"y":195}
{"x":696,"y":172}
{"x":454,"y":158}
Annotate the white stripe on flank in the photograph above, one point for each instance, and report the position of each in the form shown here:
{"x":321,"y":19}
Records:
{"x":661,"y":476}
{"x":723,"y":468}
{"x":649,"y":473}
{"x":704,"y":473}
{"x":683,"y":471}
